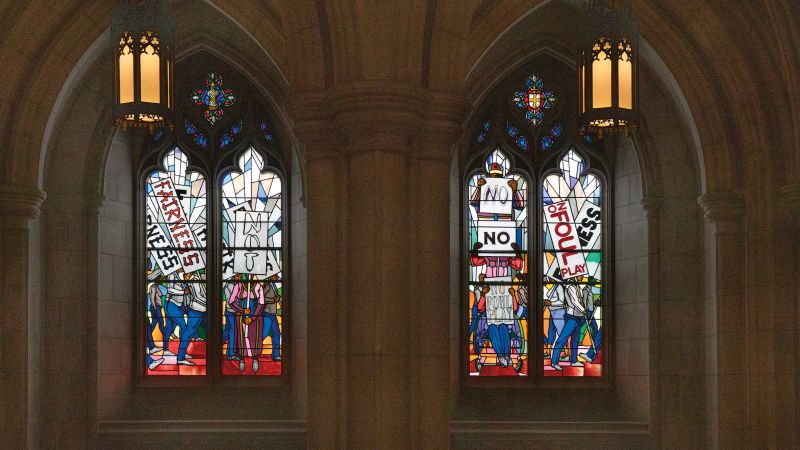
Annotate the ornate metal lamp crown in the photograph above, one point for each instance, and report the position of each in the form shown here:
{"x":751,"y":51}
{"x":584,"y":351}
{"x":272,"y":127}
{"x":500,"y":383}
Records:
{"x":608,"y":48}
{"x":142,"y":44}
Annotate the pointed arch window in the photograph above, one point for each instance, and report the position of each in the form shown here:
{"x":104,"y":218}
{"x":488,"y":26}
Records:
{"x":213,"y":233}
{"x":497,"y":236}
{"x":572,"y":224}
{"x":534,"y":185}
{"x":252,"y":275}
{"x":175,"y":236}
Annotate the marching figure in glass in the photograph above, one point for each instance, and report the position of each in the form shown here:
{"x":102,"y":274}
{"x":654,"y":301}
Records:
{"x":247,"y":300}
{"x":271,"y":326}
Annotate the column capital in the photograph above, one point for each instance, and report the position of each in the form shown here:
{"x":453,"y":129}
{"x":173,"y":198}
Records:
{"x":652,"y":206}
{"x":377,"y":114}
{"x":93,"y":203}
{"x":443,"y":125}
{"x":19,"y":203}
{"x":311,"y":120}
{"x":722,"y":206}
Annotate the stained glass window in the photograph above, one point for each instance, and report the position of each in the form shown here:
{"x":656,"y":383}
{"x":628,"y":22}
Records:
{"x":586,"y":134}
{"x":230,"y":136}
{"x":533,"y":109}
{"x":268,"y":136}
{"x":497,"y":239}
{"x":213,"y":98}
{"x":252,"y":261}
{"x":175,"y":236}
{"x":550,"y":138}
{"x":519,"y":138}
{"x":483,"y":131}
{"x":572,"y":262}
{"x":198,"y":137}
{"x":534,"y":99}
{"x":235,"y":257}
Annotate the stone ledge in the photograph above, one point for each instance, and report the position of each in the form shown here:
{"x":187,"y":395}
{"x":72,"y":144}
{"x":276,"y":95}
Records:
{"x":536,"y":434}
{"x":200,"y":434}
{"x":487,"y":427}
{"x":123,"y":427}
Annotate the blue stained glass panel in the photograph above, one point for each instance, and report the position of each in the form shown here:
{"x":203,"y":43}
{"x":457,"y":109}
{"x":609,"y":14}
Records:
{"x":198,"y":137}
{"x":522,"y":142}
{"x":265,"y":129}
{"x":230,"y":136}
{"x":547,"y":142}
{"x":512,"y":130}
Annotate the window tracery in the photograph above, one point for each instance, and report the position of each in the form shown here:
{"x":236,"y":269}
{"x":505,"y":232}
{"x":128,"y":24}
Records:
{"x":214,"y":226}
{"x":534,"y":158}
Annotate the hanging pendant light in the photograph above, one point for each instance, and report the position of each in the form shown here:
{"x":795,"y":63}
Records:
{"x":608,"y":47}
{"x":141,"y":33}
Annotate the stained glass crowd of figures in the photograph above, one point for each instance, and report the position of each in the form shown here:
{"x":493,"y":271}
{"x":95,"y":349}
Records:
{"x":252,"y":289}
{"x":498,"y":292}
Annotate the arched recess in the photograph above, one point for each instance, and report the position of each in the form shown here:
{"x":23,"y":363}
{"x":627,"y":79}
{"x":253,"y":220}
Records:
{"x":86,"y":253}
{"x":657,"y":177}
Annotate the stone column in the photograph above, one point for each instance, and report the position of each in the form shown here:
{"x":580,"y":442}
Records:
{"x":379,"y":122}
{"x":68,"y":320}
{"x":787,"y":316}
{"x":322,"y":158}
{"x":92,"y":205}
{"x":652,"y":209}
{"x":726,"y":325}
{"x":20,"y":204}
{"x":430,"y":268}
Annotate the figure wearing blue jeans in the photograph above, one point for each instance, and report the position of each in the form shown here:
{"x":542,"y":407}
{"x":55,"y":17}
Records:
{"x":157,"y":318}
{"x":555,"y":303}
{"x":174,"y":318}
{"x":501,"y":342}
{"x":227,"y":333}
{"x":195,"y":313}
{"x":271,"y":327}
{"x":597,"y":339}
{"x":574,"y":314}
{"x":556,"y":324}
{"x":596,"y":333}
{"x":571,"y":331}
{"x":193,"y":322}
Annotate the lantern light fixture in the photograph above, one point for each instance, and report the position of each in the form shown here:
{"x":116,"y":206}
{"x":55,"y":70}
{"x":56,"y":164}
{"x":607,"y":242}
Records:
{"x":608,"y":47}
{"x":142,"y":45}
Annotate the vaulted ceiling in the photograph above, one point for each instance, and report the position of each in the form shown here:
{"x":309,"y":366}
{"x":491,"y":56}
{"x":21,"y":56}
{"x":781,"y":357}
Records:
{"x":735,"y":61}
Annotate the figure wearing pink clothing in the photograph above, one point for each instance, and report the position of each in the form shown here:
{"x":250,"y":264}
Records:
{"x":247,"y":301}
